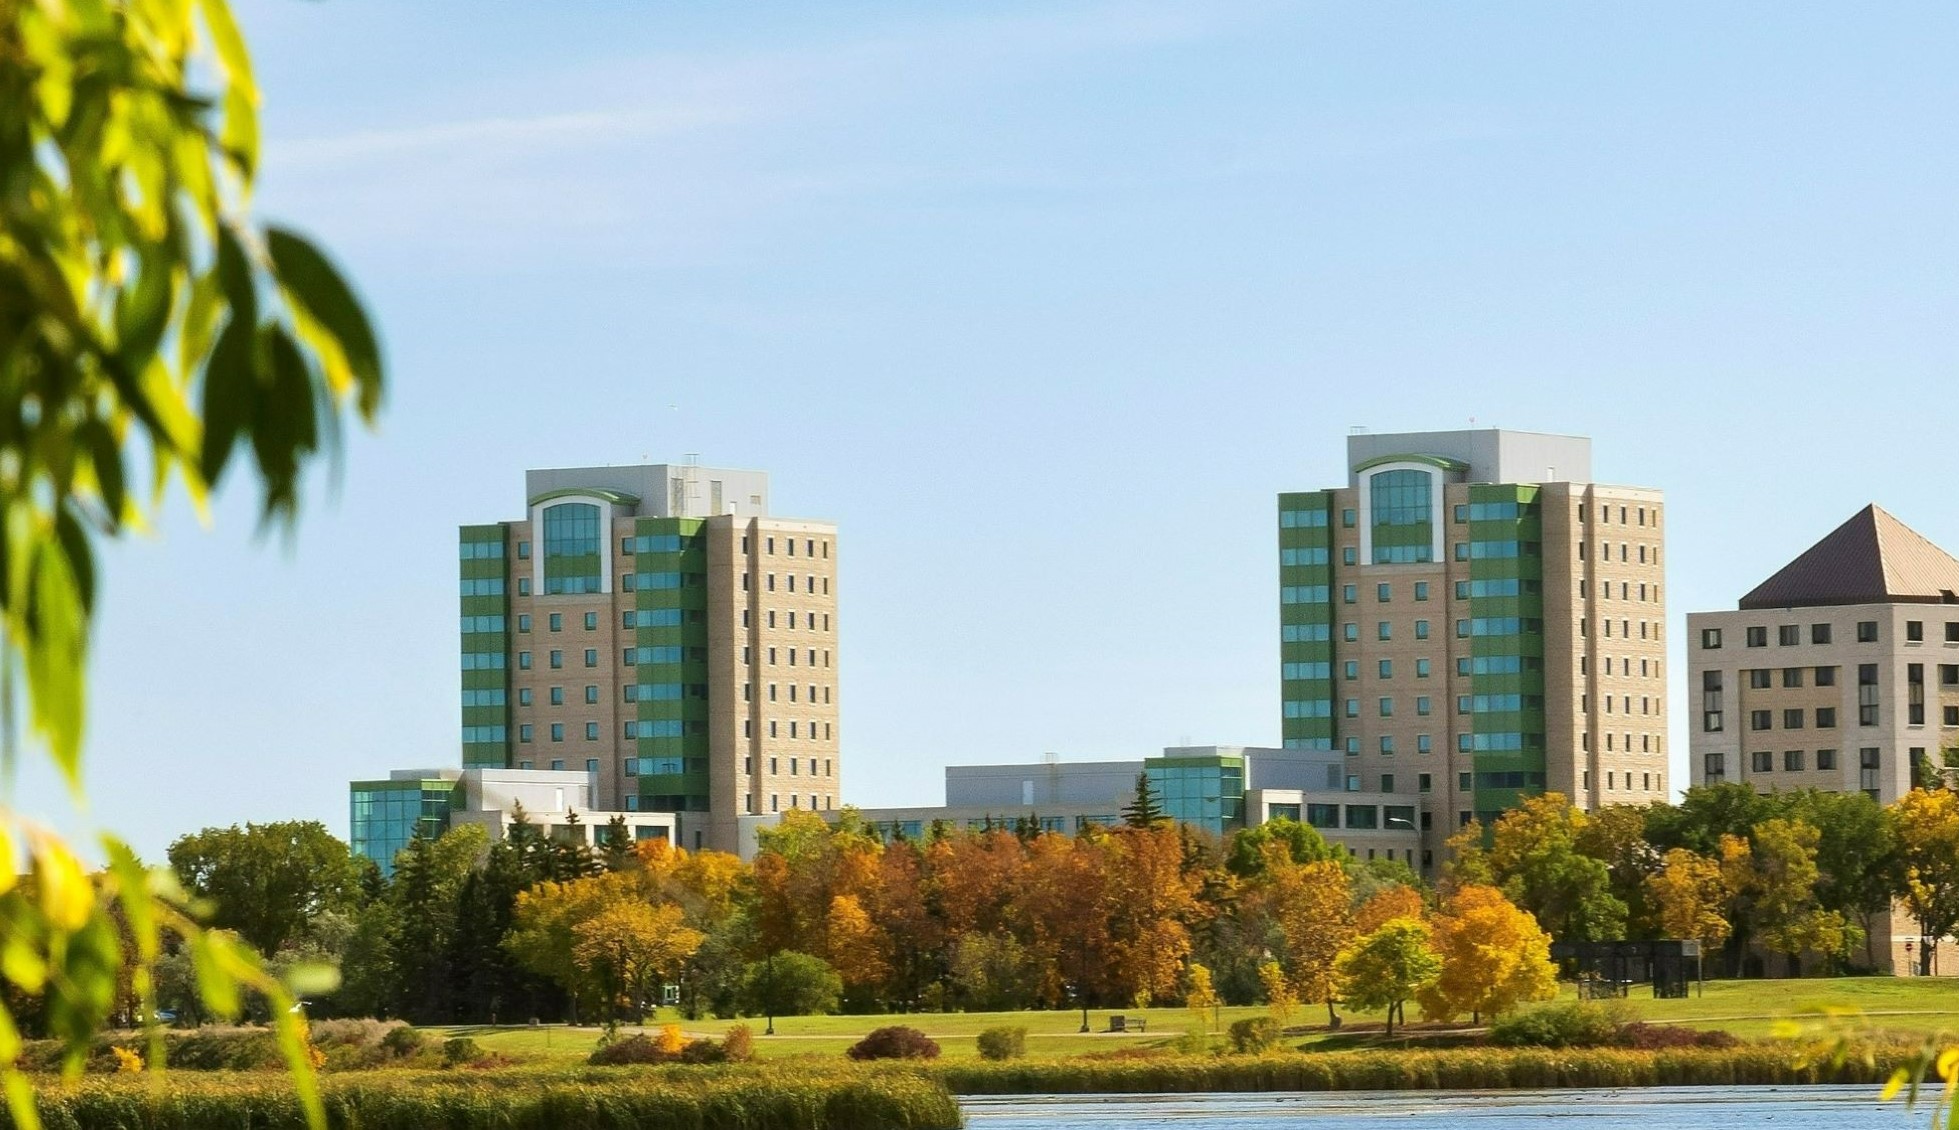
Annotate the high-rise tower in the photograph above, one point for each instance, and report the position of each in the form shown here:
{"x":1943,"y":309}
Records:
{"x":1472,"y":620}
{"x":654,"y":627}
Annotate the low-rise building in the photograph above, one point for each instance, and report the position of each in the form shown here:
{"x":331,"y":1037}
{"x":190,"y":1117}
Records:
{"x":385,"y":815}
{"x":1218,"y":788}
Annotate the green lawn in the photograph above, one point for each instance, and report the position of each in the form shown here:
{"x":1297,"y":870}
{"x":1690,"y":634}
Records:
{"x":1750,"y":1009}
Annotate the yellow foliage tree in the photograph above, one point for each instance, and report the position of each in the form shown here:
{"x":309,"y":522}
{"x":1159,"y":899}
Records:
{"x":627,"y":946}
{"x":1687,"y":898}
{"x":1494,"y":957}
{"x":1925,"y":823}
{"x":1280,"y":1000}
{"x":856,"y":947}
{"x":1201,"y":998}
{"x":1387,"y":905}
{"x":1312,"y":905}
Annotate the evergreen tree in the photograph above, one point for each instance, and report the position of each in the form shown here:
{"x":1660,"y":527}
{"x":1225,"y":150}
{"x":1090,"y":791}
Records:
{"x":1144,"y":811}
{"x":617,"y":853}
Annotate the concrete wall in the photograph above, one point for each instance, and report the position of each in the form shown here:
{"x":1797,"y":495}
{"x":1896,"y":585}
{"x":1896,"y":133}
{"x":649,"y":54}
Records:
{"x":1081,"y":782}
{"x":1493,"y":454}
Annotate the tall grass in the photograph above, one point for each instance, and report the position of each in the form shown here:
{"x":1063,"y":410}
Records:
{"x":586,"y":1099}
{"x":1408,"y":1069}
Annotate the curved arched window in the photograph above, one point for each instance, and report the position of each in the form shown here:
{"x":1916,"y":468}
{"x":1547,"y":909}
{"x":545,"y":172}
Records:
{"x":571,"y":548}
{"x":1401,"y":508}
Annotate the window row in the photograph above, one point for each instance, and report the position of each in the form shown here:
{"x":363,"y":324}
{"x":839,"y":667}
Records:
{"x":1625,"y":552}
{"x":482,"y":586}
{"x":796,"y":766}
{"x":483,"y":623}
{"x":650,"y":543}
{"x":796,"y":729}
{"x":810,"y":654}
{"x":1605,"y":514}
{"x":747,"y":695}
{"x":557,"y":659}
{"x":789,"y":585}
{"x":808,"y":620}
{"x":482,"y":550}
{"x":810,"y":546}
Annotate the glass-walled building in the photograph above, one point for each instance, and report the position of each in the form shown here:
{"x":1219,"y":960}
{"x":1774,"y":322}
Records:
{"x":384,"y":815}
{"x":1205,"y":791}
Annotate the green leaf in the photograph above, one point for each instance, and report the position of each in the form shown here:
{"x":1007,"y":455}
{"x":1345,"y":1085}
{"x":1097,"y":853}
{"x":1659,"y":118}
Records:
{"x":240,"y":134}
{"x":312,"y":977}
{"x":311,"y":284}
{"x":230,"y":395}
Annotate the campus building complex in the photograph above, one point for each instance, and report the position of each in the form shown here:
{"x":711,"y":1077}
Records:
{"x":1839,"y":672}
{"x":1217,"y":788}
{"x":1471,"y":620}
{"x":655,"y":631}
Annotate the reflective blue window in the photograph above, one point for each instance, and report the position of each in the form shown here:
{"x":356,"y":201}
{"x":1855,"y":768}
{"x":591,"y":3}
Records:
{"x":1401,"y":498}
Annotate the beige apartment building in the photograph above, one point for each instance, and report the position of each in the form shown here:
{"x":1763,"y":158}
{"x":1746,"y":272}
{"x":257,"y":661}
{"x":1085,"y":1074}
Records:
{"x":657,"y":629}
{"x":1472,"y":620}
{"x":1839,"y":672}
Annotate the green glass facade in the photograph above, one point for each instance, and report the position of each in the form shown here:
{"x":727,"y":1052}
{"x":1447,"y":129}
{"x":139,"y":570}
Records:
{"x":384,"y":815}
{"x":485,"y":602}
{"x":1503,"y":728}
{"x":1208,"y":792}
{"x":670,"y":687}
{"x":1306,"y":619}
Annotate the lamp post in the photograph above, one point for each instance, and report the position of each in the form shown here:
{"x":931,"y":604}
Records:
{"x":770,"y":1030}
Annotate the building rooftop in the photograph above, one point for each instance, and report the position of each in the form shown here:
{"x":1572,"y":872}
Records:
{"x":1871,"y":559}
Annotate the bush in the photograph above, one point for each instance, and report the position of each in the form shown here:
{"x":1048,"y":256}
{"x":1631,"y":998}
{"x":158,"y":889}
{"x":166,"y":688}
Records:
{"x":1003,"y":1043}
{"x":1573,"y":1024}
{"x":1654,"y":1036}
{"x":1192,"y":1042}
{"x":637,"y":1048}
{"x":895,"y":1042}
{"x":460,"y":1050}
{"x":403,"y":1041}
{"x":1255,"y":1034}
{"x":738,"y":1045}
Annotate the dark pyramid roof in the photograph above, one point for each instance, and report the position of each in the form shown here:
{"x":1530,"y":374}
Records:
{"x":1871,"y":559}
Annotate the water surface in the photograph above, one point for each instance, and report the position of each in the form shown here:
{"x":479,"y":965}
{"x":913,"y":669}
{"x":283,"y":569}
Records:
{"x":1641,"y":1108}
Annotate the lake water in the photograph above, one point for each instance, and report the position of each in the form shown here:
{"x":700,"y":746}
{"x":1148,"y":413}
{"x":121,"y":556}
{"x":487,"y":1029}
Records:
{"x":1647,"y":1108}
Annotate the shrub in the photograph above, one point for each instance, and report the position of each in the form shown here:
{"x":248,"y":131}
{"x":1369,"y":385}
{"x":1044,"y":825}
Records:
{"x":702,"y":1050}
{"x":637,"y":1048}
{"x":351,"y":1033}
{"x":403,"y":1041}
{"x":738,"y":1045}
{"x":670,"y":1041}
{"x":459,"y":1050}
{"x":1192,"y":1042}
{"x":1573,"y":1024}
{"x":1003,"y":1043}
{"x":895,"y":1042}
{"x":1654,"y":1036}
{"x":1255,"y":1034}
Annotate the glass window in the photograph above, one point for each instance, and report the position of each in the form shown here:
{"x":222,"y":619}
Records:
{"x":524,"y":550}
{"x":557,"y":622}
{"x":591,"y":693}
{"x":591,"y":657}
{"x":1383,"y":592}
{"x":591,"y":731}
{"x":523,"y":621}
{"x":557,"y":660}
{"x":1710,"y":638}
{"x":523,"y":661}
{"x":1421,"y":629}
{"x":591,"y":621}
{"x":571,"y":548}
{"x":1758,"y":637}
{"x":1385,"y":668}
{"x":1915,"y":631}
{"x":1421,"y":668}
{"x":1819,"y":633}
{"x":1421,"y":590}
{"x":557,"y":696}
{"x":557,"y":731}
{"x":1867,"y":631}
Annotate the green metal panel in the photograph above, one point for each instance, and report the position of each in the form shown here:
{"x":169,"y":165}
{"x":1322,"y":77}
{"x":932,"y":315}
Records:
{"x":1491,"y":522}
{"x":478,"y":568}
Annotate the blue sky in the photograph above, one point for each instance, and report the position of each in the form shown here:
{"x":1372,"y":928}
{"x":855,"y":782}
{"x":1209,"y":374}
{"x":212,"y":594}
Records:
{"x":1042,"y":304}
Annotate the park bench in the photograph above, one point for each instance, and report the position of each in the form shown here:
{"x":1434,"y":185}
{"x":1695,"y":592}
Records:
{"x":1128,"y":1024}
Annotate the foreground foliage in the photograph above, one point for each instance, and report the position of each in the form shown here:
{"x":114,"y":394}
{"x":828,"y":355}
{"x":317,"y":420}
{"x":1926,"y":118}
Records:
{"x":838,"y":1098}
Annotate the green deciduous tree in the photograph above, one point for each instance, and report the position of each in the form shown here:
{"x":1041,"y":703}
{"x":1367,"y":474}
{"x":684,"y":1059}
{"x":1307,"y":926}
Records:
{"x":1535,"y":859}
{"x":144,"y":319}
{"x":269,"y":881}
{"x":1385,"y":969}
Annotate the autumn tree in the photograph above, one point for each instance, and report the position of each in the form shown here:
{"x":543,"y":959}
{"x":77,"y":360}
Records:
{"x":1467,"y":857}
{"x":858,"y":949}
{"x":1535,"y":860}
{"x":1385,"y":905}
{"x":626,"y":948}
{"x":1280,"y":999}
{"x":1385,"y":969}
{"x":1789,"y":918}
{"x":1925,"y":824}
{"x":1200,"y":996}
{"x":1494,"y":957}
{"x":1302,"y":843}
{"x":1687,"y":898}
{"x":1151,"y":901}
{"x":1312,"y":906}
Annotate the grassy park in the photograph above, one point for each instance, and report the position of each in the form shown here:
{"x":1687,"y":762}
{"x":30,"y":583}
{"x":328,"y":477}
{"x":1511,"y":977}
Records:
{"x":1888,"y":1006}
